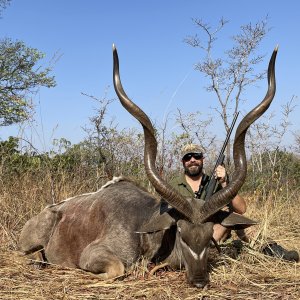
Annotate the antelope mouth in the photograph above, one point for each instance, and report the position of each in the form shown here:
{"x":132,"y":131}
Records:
{"x":200,"y":284}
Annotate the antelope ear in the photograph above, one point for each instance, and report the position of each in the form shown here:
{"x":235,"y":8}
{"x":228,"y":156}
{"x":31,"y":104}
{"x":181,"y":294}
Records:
{"x":157,"y":223}
{"x":233,"y":220}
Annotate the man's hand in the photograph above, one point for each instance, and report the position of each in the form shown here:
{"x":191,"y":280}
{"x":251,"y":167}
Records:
{"x":220,"y":174}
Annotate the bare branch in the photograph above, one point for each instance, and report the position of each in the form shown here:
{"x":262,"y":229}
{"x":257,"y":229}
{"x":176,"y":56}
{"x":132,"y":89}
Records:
{"x":229,"y":76}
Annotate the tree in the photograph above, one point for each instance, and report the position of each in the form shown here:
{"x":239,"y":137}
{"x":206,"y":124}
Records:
{"x":115,"y":152}
{"x":3,"y":5}
{"x":280,"y":174}
{"x":229,"y":76}
{"x":20,"y":77}
{"x":101,"y":134}
{"x":297,"y":142}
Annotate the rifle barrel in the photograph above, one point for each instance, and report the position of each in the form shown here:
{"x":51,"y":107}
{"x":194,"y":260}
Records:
{"x":226,"y":140}
{"x":212,"y":181}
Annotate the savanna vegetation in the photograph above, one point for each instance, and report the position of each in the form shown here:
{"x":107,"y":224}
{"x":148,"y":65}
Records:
{"x":30,"y":179}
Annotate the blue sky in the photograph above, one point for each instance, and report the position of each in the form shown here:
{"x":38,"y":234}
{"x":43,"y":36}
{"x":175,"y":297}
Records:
{"x":156,"y":65}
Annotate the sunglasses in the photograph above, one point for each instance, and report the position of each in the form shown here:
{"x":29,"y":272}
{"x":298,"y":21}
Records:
{"x":188,"y":156}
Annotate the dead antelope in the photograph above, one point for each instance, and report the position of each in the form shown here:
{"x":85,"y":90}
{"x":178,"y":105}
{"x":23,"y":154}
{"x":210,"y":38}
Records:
{"x":106,"y":231}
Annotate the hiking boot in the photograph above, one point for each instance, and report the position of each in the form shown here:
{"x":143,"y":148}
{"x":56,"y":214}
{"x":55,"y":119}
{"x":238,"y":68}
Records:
{"x":275,"y":250}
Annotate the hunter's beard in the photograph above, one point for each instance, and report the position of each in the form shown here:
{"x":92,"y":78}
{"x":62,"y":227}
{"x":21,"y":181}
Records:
{"x":193,"y":170}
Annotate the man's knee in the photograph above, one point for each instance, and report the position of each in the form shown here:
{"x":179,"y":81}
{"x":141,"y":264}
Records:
{"x":239,"y":205}
{"x":220,"y":232}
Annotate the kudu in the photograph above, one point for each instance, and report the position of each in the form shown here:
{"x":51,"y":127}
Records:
{"x":106,"y":231}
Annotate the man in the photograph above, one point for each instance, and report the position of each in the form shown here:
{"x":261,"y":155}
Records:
{"x":188,"y":183}
{"x":194,"y":180}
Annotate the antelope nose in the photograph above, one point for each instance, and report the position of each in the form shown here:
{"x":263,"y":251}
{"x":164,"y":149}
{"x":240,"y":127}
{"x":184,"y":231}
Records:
{"x":200,"y":285}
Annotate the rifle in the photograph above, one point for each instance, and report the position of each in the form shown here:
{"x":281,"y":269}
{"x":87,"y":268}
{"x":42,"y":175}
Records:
{"x":212,"y":180}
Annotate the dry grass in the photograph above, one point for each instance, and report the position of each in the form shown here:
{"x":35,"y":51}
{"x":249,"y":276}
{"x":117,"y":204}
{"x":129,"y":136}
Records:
{"x":248,"y":275}
{"x":251,"y":276}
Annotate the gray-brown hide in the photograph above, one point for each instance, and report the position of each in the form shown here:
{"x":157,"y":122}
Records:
{"x":106,"y":231}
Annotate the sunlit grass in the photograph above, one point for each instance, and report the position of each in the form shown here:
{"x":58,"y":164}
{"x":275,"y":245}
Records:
{"x":244,"y":275}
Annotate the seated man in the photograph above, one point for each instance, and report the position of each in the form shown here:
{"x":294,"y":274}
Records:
{"x":194,"y":181}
